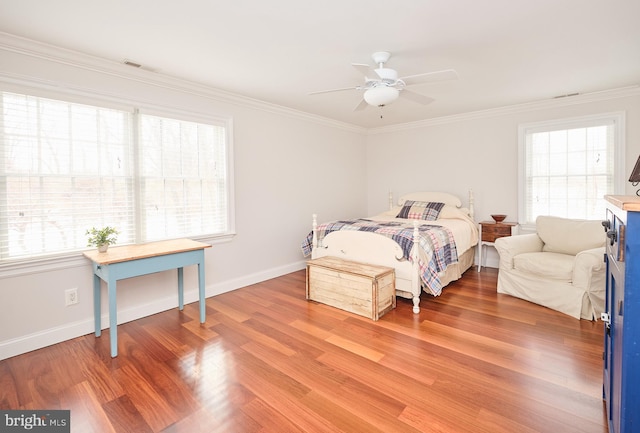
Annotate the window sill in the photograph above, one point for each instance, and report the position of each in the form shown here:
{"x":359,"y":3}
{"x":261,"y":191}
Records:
{"x":17,"y":268}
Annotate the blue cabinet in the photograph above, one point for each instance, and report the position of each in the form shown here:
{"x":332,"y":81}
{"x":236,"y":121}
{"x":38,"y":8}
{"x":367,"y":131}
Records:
{"x":621,"y":386}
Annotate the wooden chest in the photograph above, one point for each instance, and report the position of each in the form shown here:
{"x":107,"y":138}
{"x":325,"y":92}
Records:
{"x":359,"y":288}
{"x":492,"y":231}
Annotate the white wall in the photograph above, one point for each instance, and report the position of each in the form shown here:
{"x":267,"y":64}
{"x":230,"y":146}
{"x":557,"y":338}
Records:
{"x":479,"y":151}
{"x":278,"y":156}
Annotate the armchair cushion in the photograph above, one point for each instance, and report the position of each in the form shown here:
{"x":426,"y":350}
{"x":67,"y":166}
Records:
{"x":553,"y":266}
{"x":569,"y":236}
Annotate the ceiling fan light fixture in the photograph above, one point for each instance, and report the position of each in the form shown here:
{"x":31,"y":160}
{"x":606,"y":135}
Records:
{"x":380,"y":96}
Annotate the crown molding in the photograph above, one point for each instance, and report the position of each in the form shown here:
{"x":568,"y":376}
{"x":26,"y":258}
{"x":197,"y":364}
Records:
{"x":546,"y":104}
{"x":51,"y":53}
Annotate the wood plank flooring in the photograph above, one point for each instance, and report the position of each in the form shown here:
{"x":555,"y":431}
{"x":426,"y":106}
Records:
{"x":267,"y":360}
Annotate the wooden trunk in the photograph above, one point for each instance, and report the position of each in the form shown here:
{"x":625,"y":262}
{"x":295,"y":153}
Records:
{"x":359,"y":288}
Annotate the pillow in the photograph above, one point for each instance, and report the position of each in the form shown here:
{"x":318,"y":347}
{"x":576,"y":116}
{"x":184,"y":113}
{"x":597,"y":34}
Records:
{"x":454,"y":212}
{"x":420,"y":210}
{"x":569,"y":236}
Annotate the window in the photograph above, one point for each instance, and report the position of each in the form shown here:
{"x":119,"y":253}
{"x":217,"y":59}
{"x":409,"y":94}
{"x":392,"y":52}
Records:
{"x":567,"y":167}
{"x":183,"y":178}
{"x":66,"y":167}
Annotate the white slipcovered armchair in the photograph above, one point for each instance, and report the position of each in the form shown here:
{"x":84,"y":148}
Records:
{"x":561,"y":266}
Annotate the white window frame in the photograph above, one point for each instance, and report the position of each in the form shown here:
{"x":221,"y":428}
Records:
{"x":69,"y":259}
{"x":618,"y":119}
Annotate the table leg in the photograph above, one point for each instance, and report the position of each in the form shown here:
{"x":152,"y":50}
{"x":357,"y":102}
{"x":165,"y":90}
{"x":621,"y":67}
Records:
{"x":181,"y":288}
{"x":113,"y":317}
{"x":97,"y":308}
{"x":201,"y":289}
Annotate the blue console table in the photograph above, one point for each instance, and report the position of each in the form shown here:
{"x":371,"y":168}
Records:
{"x":135,"y":260}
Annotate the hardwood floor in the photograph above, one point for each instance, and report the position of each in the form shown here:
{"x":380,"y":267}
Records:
{"x":267,"y":360}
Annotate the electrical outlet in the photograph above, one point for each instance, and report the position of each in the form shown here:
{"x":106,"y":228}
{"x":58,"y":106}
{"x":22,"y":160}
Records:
{"x":71,"y":296}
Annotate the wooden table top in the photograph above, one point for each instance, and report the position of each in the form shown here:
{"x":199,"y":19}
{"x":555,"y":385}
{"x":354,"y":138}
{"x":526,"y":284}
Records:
{"x":501,"y":223}
{"x":142,"y":251}
{"x":624,"y":202}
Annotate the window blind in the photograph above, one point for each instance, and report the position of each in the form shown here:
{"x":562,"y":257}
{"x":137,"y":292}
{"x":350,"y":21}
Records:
{"x":183,"y":179}
{"x":569,"y":168}
{"x":64,"y":167}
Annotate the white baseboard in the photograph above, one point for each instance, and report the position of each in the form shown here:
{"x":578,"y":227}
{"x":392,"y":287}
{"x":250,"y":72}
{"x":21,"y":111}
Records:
{"x":48,"y":337}
{"x":491,"y":263}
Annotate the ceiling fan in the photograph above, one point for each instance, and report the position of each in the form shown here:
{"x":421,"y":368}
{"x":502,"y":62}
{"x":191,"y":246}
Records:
{"x":387,"y":87}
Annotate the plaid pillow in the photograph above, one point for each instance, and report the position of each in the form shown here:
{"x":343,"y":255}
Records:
{"x":420,"y":210}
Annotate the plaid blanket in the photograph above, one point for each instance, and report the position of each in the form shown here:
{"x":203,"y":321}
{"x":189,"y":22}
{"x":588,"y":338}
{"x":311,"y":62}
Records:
{"x":437,"y":248}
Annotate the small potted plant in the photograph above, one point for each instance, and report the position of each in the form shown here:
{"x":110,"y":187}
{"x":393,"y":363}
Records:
{"x":102,"y":238}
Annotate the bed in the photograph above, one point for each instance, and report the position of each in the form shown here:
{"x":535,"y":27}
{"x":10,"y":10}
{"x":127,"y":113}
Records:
{"x":436,"y":222}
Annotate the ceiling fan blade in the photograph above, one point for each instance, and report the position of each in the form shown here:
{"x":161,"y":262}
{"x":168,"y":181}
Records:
{"x":361,"y":106}
{"x":334,"y":90}
{"x":416,"y":97}
{"x":431,"y":77}
{"x":362,"y":68}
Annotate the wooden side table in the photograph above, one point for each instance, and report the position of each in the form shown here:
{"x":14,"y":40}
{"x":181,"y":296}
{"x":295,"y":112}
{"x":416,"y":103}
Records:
{"x":489,"y":232}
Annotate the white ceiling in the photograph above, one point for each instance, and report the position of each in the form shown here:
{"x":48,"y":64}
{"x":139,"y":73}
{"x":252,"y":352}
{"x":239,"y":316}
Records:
{"x":505,"y":51}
